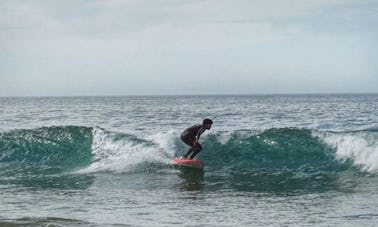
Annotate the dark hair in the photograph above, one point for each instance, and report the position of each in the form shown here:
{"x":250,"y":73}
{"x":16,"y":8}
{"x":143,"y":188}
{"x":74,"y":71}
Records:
{"x":207,"y":121}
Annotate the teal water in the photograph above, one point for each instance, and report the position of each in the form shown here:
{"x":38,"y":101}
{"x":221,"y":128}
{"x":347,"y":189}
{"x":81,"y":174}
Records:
{"x":270,"y":160}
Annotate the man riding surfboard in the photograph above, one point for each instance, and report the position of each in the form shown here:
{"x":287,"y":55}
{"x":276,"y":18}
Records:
{"x":190,"y":136}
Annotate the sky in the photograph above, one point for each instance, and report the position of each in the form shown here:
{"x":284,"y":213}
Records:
{"x":187,"y":47}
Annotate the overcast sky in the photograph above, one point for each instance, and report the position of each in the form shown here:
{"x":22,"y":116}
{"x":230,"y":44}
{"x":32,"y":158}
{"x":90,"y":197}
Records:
{"x":157,"y":47}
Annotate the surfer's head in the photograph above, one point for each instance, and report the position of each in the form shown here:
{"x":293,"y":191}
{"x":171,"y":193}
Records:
{"x":207,"y":123}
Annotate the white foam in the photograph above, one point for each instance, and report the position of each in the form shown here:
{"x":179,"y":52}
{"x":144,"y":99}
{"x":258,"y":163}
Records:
{"x":125,"y":154}
{"x":361,"y":147}
{"x":165,"y":142}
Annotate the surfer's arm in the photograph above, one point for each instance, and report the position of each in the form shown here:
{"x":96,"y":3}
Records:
{"x":195,"y":142}
{"x":199,"y":132}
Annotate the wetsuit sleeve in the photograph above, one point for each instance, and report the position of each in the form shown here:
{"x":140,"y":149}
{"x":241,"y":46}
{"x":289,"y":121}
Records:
{"x":200,"y":131}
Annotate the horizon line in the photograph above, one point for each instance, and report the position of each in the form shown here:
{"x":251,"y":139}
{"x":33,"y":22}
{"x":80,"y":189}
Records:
{"x":199,"y":95}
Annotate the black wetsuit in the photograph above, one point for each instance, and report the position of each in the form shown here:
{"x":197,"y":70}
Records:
{"x":189,"y":136}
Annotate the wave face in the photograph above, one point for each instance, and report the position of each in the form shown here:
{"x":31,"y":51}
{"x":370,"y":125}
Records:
{"x":287,"y":159}
{"x":44,"y":157}
{"x":275,"y":149}
{"x":68,"y":146}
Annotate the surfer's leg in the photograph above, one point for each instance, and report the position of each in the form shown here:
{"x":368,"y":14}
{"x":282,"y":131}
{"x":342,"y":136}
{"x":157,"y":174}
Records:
{"x":196,"y":150}
{"x":188,"y":141}
{"x":188,"y":152}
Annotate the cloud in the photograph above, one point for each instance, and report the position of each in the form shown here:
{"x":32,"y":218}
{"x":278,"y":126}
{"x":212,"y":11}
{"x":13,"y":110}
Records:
{"x":144,"y":46}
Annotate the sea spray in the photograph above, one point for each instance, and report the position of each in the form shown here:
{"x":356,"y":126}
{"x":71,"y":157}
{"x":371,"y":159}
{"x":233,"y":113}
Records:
{"x":360,"y":147}
{"x":120,"y":152}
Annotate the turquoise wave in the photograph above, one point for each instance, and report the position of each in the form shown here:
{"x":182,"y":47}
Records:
{"x":286,"y":148}
{"x":44,"y":157}
{"x":64,"y":146}
{"x":279,"y":160}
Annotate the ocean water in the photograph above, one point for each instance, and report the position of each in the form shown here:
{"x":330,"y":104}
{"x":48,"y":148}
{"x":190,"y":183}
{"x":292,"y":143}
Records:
{"x":273,"y":160}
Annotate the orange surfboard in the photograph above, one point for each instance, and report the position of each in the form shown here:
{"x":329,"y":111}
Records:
{"x":193,"y":163}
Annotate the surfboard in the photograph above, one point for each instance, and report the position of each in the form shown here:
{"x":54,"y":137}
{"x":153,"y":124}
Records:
{"x":193,"y":163}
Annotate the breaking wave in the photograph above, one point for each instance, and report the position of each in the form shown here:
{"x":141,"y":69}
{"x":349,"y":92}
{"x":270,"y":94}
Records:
{"x":277,"y":159}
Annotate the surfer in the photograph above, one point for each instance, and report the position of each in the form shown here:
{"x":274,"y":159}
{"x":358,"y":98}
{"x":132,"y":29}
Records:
{"x":191,"y":135}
